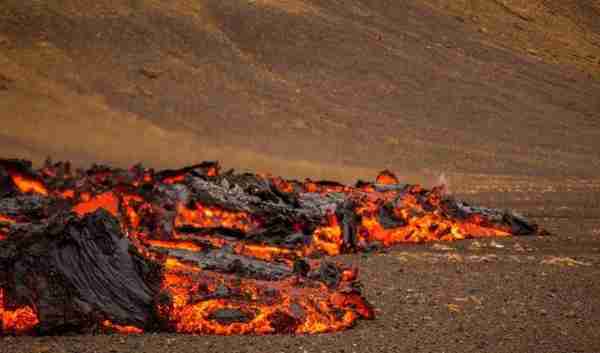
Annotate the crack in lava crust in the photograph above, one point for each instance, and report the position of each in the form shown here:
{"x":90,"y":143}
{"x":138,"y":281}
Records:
{"x":207,"y":252}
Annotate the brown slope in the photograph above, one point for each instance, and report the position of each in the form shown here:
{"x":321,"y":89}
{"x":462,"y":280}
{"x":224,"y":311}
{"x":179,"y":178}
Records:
{"x":347,"y":85}
{"x":555,"y":31}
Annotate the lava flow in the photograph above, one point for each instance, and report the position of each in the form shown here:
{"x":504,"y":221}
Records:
{"x":197,"y":251}
{"x":18,"y":320}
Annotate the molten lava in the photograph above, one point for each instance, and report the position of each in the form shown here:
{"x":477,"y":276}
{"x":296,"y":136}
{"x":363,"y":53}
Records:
{"x":328,"y":238}
{"x":258,"y":306}
{"x":201,"y":216}
{"x":107,"y":201}
{"x":18,"y":320}
{"x":386,"y":178}
{"x":4,"y":221}
{"x":26,"y":184}
{"x":209,"y":253}
{"x":122,"y":329}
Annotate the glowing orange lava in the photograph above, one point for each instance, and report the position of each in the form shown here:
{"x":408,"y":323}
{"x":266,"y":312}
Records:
{"x":293,"y":310}
{"x":107,"y":200}
{"x":126,"y":330}
{"x":185,"y":245}
{"x":266,"y":252}
{"x":28,"y":184}
{"x":17,"y":321}
{"x":242,"y":255}
{"x":282,"y":185}
{"x":174,"y":179}
{"x":212,"y":217}
{"x":419,"y":225}
{"x":386,"y":178}
{"x":130,"y":211}
{"x":67,"y":194}
{"x":6,"y":219}
{"x":212,"y":171}
{"x":328,"y":238}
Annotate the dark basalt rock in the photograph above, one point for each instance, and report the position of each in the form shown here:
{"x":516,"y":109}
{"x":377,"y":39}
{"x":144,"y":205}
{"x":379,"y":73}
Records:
{"x":228,"y":316}
{"x":78,"y":271}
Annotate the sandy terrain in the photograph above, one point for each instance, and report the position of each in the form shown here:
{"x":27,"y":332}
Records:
{"x":300,"y":88}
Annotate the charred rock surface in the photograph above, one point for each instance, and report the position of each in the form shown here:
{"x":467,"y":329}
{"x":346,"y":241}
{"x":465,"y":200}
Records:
{"x":78,"y":272}
{"x":195,"y":251}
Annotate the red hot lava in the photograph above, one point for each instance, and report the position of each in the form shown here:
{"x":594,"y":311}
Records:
{"x":198,"y":251}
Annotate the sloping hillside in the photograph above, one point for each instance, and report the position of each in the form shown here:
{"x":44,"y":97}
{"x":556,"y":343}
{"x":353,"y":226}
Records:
{"x":554,"y":31}
{"x":315,"y":88}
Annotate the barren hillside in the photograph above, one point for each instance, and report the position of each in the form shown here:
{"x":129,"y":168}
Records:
{"x":331,"y":89}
